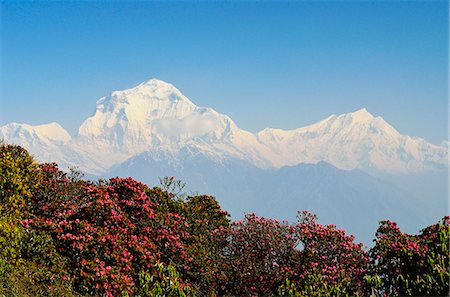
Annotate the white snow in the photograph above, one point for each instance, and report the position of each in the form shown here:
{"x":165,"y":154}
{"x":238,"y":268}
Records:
{"x":155,"y":115}
{"x":48,"y":132}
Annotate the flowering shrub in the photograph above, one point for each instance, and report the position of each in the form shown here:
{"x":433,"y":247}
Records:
{"x":412,"y":264}
{"x":110,"y":232}
{"x":330,"y":263}
{"x":114,"y":232}
{"x":256,"y":256}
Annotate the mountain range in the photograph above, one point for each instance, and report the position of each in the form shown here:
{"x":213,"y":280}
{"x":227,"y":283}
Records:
{"x":345,"y":167}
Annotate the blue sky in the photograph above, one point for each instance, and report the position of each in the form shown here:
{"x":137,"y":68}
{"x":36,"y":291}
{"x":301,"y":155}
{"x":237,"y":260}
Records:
{"x":271,"y":64}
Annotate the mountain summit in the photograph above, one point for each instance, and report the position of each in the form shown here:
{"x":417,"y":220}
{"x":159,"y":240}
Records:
{"x":137,"y":117}
{"x":354,"y":140}
{"x":155,"y":116}
{"x":361,"y":115}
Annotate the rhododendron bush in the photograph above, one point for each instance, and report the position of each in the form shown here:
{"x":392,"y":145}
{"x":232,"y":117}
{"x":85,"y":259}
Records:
{"x":112,"y":232}
{"x":412,"y":265}
{"x":256,"y":256}
{"x":330,"y":263}
{"x":65,"y":236}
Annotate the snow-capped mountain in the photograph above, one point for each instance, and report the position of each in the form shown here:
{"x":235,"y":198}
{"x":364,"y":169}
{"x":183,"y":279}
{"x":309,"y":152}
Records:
{"x":46,"y":142}
{"x":47,"y":134}
{"x":155,"y":116}
{"x":153,"y":130}
{"x":354,"y":140}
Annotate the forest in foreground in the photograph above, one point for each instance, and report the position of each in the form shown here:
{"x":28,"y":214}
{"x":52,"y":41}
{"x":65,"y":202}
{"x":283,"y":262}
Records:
{"x":61,"y":235}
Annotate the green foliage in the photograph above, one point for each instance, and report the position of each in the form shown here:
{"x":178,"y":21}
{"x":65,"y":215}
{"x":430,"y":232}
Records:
{"x":18,"y":177}
{"x":30,"y":280}
{"x":204,"y":218}
{"x":316,"y":285}
{"x":288,"y":288}
{"x":165,"y":281}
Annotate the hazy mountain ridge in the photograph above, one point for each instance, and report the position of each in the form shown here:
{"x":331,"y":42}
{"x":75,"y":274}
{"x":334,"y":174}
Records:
{"x":352,"y":200}
{"x":155,"y":115}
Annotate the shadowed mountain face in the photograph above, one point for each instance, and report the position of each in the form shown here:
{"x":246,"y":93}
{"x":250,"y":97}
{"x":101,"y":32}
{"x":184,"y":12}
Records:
{"x":352,"y":200}
{"x":153,"y":130}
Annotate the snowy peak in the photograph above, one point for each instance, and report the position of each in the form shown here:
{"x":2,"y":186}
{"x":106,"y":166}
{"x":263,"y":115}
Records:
{"x":135,"y":110}
{"x":21,"y":133}
{"x":358,"y":123}
{"x":151,"y":115}
{"x":356,"y":140}
{"x":53,"y":131}
{"x":361,"y":115}
{"x":152,"y":90}
{"x":160,"y":89}
{"x":360,"y":119}
{"x":47,"y":142}
{"x":149,"y":101}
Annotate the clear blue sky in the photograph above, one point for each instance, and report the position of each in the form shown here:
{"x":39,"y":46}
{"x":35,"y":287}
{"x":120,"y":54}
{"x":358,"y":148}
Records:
{"x":281,"y":65}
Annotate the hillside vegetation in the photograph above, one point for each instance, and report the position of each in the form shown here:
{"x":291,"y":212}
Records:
{"x":61,"y":235}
